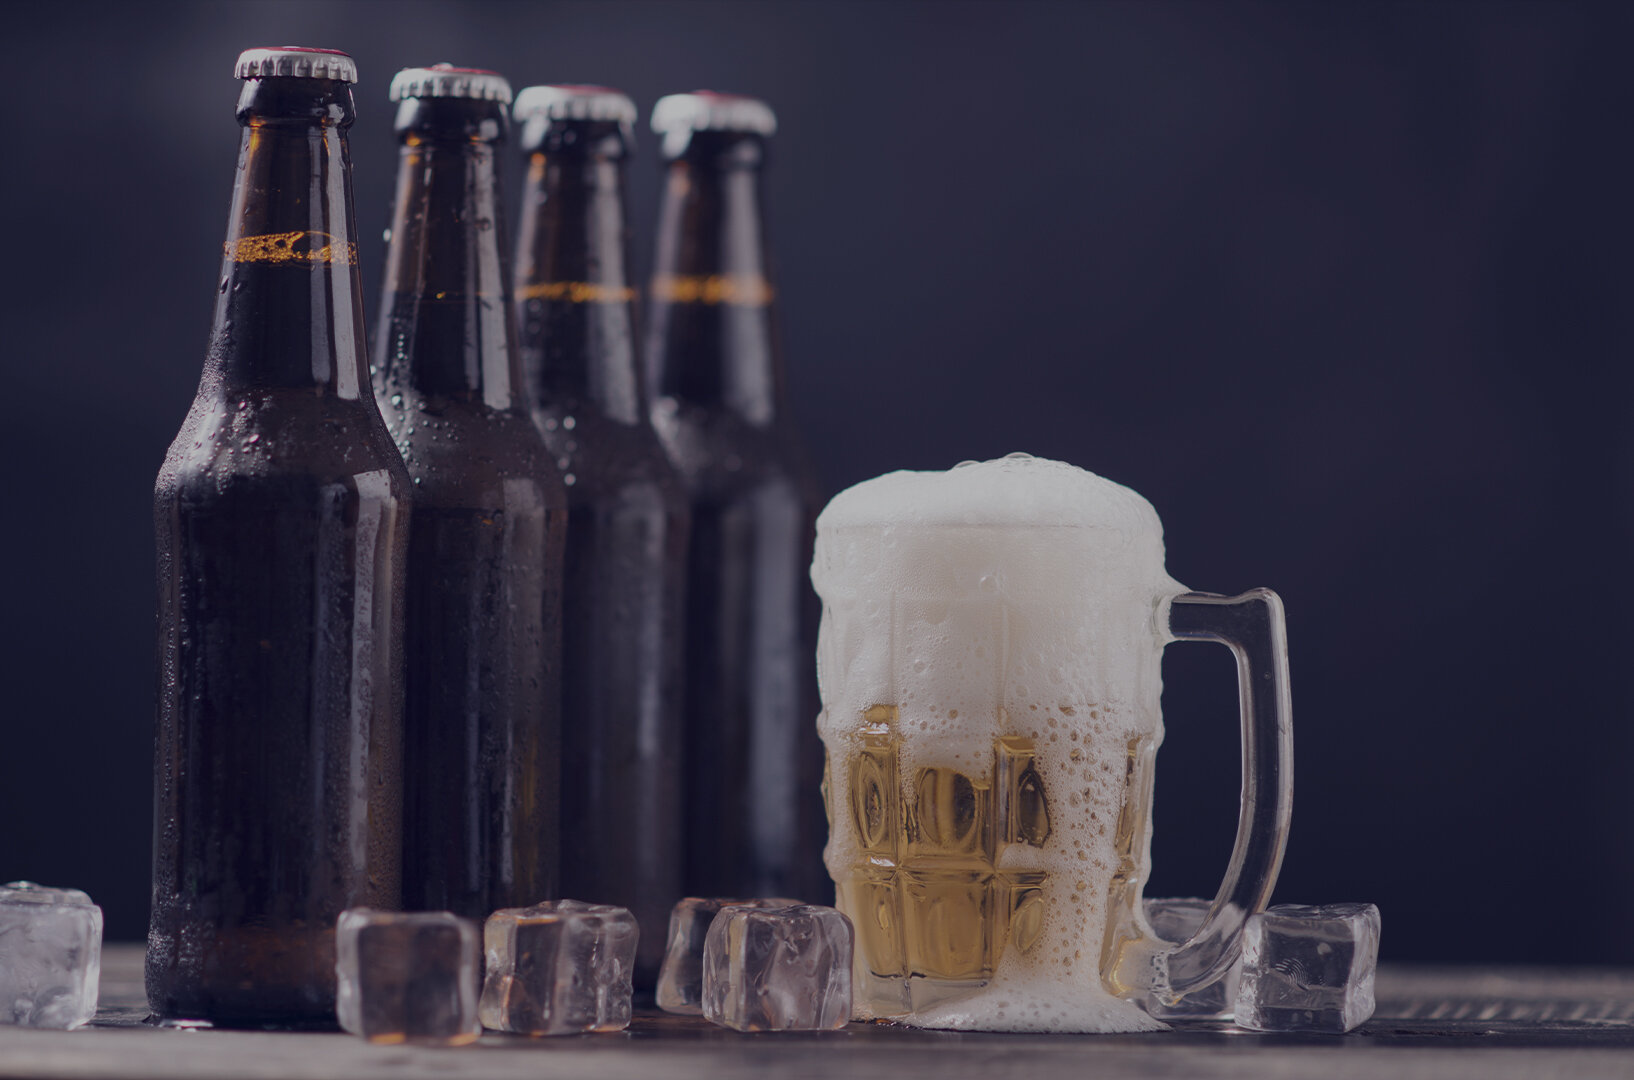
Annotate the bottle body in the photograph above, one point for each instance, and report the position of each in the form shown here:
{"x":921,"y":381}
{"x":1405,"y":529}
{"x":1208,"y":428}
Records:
{"x":621,"y":663}
{"x":278,"y":784}
{"x":481,"y":716}
{"x":482,"y":705}
{"x":625,"y":562}
{"x":754,"y":822}
{"x":282,"y":516}
{"x":755,"y":819}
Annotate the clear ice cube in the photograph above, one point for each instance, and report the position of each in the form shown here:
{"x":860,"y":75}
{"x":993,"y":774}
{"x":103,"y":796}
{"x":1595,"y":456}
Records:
{"x":1308,"y":968}
{"x":1175,"y":920}
{"x":408,"y":976}
{"x":559,"y":968}
{"x":50,"y":956}
{"x":778,"y":969}
{"x":681,"y":979}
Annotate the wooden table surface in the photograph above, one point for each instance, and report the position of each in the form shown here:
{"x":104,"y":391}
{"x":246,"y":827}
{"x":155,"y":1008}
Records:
{"x":1448,"y":1024}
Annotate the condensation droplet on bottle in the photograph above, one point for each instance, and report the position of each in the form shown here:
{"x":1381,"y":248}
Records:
{"x":397,"y":401}
{"x":550,"y":423}
{"x":569,"y":479}
{"x":568,"y":423}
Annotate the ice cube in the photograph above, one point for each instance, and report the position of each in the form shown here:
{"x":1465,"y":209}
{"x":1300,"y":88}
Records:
{"x":681,"y":979}
{"x":1308,"y":968}
{"x":559,"y":968}
{"x":778,"y":969}
{"x":1175,"y":920}
{"x":408,"y":976}
{"x":50,"y":956}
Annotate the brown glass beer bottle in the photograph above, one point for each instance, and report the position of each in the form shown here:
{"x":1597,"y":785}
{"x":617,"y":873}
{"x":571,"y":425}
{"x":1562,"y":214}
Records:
{"x":755,"y":823}
{"x":481,"y":729}
{"x":621,"y":712}
{"x":282,"y":514}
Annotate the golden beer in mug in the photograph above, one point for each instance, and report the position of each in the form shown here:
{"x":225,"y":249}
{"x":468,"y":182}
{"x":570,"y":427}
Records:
{"x":990,"y":666}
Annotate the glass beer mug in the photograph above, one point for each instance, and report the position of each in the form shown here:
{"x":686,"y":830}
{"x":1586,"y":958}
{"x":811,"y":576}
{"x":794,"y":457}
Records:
{"x":990,"y":667}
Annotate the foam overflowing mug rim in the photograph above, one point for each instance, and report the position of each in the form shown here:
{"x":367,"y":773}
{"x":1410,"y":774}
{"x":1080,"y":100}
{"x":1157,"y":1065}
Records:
{"x":1017,"y":490}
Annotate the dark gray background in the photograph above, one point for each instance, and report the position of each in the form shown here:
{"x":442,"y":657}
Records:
{"x":1343,"y":289}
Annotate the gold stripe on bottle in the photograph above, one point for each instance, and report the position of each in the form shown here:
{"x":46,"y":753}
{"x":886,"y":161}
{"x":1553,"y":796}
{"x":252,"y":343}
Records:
{"x":301,"y":246}
{"x":577,"y":292}
{"x":744,"y":290}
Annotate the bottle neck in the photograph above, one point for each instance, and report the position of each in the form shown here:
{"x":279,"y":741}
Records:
{"x":445,"y":324}
{"x":290,"y":311}
{"x":574,"y":299}
{"x":713,"y":339}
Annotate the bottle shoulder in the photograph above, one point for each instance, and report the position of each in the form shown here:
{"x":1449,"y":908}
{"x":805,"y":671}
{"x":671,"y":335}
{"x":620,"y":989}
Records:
{"x":468,"y":454}
{"x":719,"y":454}
{"x":600,"y":455}
{"x":280,"y":436}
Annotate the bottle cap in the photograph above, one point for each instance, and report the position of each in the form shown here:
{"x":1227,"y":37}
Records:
{"x":448,"y":81}
{"x":293,"y":61}
{"x":567,"y":101}
{"x":706,"y":110}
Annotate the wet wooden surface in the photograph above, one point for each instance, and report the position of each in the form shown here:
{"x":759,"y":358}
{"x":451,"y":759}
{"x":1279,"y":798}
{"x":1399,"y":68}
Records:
{"x":1442,"y":1023}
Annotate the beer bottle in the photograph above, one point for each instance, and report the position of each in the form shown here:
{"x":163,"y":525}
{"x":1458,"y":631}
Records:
{"x":755,"y":823}
{"x":621,"y":793}
{"x":282,"y":518}
{"x":480,"y":722}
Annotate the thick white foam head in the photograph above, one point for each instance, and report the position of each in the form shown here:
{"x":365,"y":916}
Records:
{"x":1022,"y":599}
{"x":1015,"y":490}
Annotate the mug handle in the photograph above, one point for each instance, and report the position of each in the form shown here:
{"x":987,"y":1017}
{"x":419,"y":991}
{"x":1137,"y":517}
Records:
{"x":1252,"y":627}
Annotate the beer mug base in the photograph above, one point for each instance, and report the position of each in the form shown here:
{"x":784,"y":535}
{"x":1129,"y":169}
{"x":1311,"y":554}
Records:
{"x":1028,"y":1003}
{"x":895,"y":997}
